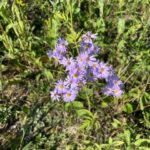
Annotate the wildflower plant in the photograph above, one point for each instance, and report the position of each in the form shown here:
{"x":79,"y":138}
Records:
{"x":82,"y":69}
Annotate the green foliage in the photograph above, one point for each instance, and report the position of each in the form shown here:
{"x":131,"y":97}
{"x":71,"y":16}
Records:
{"x":29,"y":119}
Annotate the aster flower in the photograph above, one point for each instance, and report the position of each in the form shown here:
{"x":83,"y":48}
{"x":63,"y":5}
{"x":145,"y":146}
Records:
{"x":70,"y":95}
{"x":60,"y":86}
{"x":61,"y":45}
{"x":80,"y":60}
{"x":50,"y":54}
{"x":87,"y":38}
{"x":94,"y":65}
{"x":117,"y":91}
{"x":85,"y":46}
{"x":102,"y":71}
{"x":82,"y":69}
{"x":84,"y":59}
{"x":93,"y":50}
{"x":89,"y":75}
{"x":69,"y":63}
{"x":107,"y":90}
{"x":54,"y":95}
{"x":69,"y":82}
{"x":110,"y":90}
{"x":59,"y":55}
{"x":76,"y":75}
{"x":115,"y":81}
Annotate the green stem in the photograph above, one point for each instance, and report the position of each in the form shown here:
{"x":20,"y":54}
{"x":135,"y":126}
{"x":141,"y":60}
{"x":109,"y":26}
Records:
{"x":89,"y":104}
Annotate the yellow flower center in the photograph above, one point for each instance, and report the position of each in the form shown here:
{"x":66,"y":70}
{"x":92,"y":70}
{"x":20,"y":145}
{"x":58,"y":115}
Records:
{"x":68,"y":94}
{"x":115,"y":91}
{"x":94,"y":66}
{"x":75,"y":75}
{"x":101,"y":70}
{"x":69,"y":63}
{"x":61,"y":86}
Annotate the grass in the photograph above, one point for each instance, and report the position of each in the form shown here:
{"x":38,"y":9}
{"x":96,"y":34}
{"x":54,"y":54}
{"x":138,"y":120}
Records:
{"x":29,"y":119}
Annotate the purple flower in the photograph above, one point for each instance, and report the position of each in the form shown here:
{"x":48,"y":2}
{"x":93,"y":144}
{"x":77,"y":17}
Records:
{"x":54,"y":95}
{"x":110,"y":90}
{"x":102,"y":71}
{"x":90,"y":48}
{"x":93,"y":50}
{"x":76,"y":75}
{"x":60,"y":86}
{"x":70,"y":95}
{"x":69,"y":63}
{"x":82,"y":69}
{"x":59,"y":55}
{"x":111,"y":72}
{"x":87,"y":38}
{"x":50,"y":54}
{"x":80,"y":60}
{"x":61,"y":45}
{"x":94,"y":65}
{"x":85,"y":46}
{"x":84,"y":59}
{"x":89,"y":75}
{"x":107,"y":90}
{"x":117,"y":91}
{"x":69,"y":82}
{"x":115,"y":81}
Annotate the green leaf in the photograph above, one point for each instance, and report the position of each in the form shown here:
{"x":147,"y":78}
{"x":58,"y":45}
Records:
{"x":85,"y":124}
{"x":141,"y":104}
{"x":104,"y":145}
{"x":48,"y":74}
{"x":3,"y":3}
{"x":143,"y":148}
{"x":104,"y":104}
{"x":121,"y":3}
{"x":127,"y":135}
{"x":9,"y":26}
{"x":121,"y":44}
{"x":118,"y":143}
{"x":116,"y":123}
{"x":84,"y":112}
{"x":110,"y":141}
{"x":75,"y":105}
{"x":121,"y":26}
{"x":28,"y":146}
{"x":97,"y":146}
{"x":101,"y":6}
{"x":142,"y":141}
{"x":128,"y":108}
{"x":77,"y":10}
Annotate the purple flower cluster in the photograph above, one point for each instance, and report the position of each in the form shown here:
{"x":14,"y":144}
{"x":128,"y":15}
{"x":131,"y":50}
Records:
{"x":82,"y":69}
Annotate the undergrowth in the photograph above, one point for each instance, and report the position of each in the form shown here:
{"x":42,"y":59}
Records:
{"x":29,"y":119}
